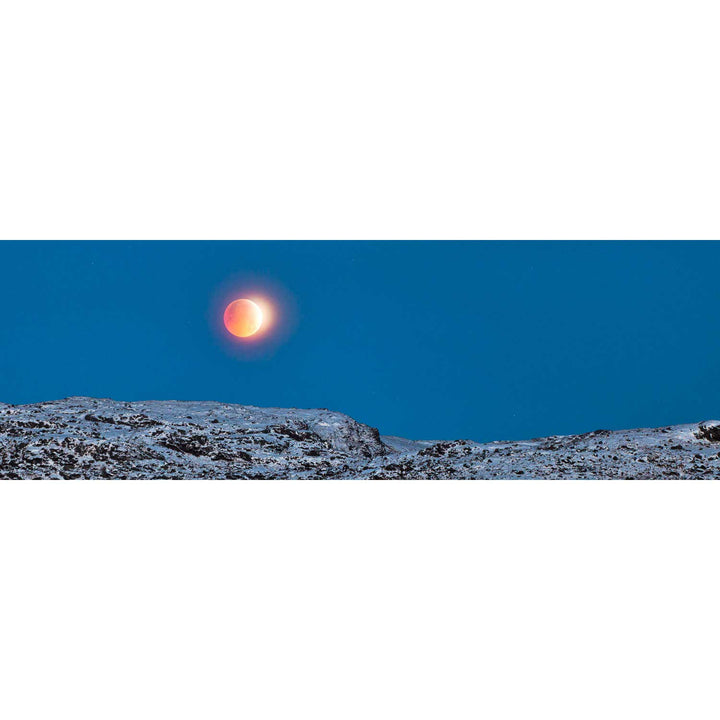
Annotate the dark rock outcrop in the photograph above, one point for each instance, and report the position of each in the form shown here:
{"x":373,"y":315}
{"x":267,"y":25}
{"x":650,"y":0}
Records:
{"x":709,"y":430}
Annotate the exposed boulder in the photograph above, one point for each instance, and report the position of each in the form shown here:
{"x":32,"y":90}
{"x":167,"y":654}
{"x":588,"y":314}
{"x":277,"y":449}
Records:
{"x":709,"y":430}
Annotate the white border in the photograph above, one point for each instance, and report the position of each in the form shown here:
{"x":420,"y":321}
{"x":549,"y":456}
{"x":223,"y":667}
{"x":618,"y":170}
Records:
{"x":382,"y":119}
{"x":357,"y":600}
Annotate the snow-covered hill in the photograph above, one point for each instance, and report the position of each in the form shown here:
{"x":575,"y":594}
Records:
{"x":92,"y":438}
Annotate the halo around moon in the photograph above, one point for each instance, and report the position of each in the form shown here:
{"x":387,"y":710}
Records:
{"x":243,"y":318}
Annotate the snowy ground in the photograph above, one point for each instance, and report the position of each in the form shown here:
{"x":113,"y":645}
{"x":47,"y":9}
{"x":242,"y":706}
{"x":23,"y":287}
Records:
{"x":88,"y":438}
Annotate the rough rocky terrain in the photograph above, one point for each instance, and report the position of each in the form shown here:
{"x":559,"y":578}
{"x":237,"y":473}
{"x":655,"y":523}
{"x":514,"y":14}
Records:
{"x":89,"y":438}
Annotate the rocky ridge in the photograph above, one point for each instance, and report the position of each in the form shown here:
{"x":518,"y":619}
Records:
{"x":90,"y":438}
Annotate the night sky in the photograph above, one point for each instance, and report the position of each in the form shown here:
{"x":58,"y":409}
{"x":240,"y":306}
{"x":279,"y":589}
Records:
{"x":431,"y":340}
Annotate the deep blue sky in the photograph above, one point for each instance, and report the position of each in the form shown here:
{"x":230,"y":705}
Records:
{"x":436,"y":340}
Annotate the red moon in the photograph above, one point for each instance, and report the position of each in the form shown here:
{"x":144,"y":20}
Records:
{"x":243,"y":318}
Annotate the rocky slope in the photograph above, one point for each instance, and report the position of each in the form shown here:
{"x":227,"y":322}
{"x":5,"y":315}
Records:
{"x":88,"y":438}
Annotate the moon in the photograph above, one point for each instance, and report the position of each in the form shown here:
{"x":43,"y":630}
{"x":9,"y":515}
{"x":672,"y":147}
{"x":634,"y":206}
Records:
{"x":243,"y":318}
